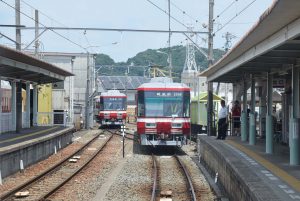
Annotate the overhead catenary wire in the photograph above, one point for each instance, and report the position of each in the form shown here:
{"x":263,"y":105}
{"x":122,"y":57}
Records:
{"x":116,"y":29}
{"x":9,"y":5}
{"x":84,"y":48}
{"x":204,"y":53}
{"x":242,"y":23}
{"x":44,"y":14}
{"x":87,"y":40}
{"x":197,"y":46}
{"x":10,"y":39}
{"x":225,"y":9}
{"x":195,"y":21}
{"x":234,"y":17}
{"x":184,"y":12}
{"x":167,"y":13}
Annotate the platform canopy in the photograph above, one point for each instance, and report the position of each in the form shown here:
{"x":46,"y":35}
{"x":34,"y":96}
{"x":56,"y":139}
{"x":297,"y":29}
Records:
{"x":15,"y":65}
{"x":276,"y":97}
{"x":272,"y":45}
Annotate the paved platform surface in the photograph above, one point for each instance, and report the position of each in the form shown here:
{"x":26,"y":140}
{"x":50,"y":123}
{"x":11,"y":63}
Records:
{"x":274,"y":169}
{"x":7,"y":139}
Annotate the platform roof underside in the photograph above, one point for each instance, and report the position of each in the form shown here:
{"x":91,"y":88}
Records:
{"x":15,"y":65}
{"x":272,"y":45}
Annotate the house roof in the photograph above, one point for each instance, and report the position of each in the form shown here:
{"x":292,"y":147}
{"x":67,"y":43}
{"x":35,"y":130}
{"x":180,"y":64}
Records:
{"x":122,"y":82}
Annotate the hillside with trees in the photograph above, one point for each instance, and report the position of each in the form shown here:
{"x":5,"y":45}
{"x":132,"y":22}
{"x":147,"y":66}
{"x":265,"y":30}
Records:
{"x":151,"y":57}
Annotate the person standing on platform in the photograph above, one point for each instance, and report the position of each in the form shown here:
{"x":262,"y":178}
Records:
{"x":222,"y":122}
{"x":236,"y":117}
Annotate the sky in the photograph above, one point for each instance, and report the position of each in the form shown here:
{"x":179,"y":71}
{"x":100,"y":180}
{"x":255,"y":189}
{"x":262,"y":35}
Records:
{"x":128,"y":14}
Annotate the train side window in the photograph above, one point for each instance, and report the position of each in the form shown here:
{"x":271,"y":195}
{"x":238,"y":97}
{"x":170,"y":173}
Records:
{"x":186,"y":104}
{"x":101,"y":104}
{"x":141,"y":104}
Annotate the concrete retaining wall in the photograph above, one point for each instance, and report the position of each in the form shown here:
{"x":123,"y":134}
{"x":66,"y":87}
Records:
{"x":235,"y":176}
{"x":32,"y":151}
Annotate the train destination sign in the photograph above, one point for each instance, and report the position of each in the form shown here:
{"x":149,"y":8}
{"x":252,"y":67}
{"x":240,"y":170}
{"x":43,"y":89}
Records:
{"x":164,"y":94}
{"x":114,"y":99}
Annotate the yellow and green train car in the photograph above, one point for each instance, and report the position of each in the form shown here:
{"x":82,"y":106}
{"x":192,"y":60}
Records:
{"x":199,"y":112}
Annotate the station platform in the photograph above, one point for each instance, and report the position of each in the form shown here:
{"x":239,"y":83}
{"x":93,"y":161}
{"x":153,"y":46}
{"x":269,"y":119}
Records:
{"x":10,"y":138}
{"x":246,"y":172}
{"x":29,"y":146}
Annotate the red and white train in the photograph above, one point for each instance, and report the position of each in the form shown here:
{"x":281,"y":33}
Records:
{"x":112,"y":108}
{"x":163,"y":113}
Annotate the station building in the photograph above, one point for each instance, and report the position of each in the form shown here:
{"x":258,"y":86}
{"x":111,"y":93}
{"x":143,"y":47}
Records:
{"x":70,"y":95}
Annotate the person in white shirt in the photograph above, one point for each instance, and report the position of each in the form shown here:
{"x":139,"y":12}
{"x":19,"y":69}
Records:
{"x":222,"y":122}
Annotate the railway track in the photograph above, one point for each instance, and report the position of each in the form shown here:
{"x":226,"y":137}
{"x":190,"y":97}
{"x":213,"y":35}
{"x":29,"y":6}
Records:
{"x":155,"y":175}
{"x":50,"y":181}
{"x":170,"y":190}
{"x":128,"y":135}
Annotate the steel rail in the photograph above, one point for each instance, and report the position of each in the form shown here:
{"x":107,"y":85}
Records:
{"x":120,"y":134}
{"x":51,"y":192}
{"x":154,"y":187}
{"x":187,"y":175}
{"x":46,"y":172}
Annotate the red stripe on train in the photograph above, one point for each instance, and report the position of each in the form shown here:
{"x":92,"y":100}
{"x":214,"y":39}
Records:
{"x":112,"y":116}
{"x":164,"y":127}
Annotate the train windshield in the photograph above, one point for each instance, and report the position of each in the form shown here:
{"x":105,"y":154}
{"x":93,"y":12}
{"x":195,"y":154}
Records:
{"x":163,"y":103}
{"x":112,"y":103}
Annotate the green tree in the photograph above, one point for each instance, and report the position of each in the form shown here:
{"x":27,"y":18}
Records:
{"x":103,"y":59}
{"x":153,"y":57}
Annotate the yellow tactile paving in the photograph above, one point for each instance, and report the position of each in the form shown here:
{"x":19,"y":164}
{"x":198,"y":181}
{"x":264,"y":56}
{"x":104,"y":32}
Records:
{"x":27,"y":135}
{"x":283,"y":175}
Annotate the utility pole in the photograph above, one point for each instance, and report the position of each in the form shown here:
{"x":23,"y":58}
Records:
{"x":71,"y":91}
{"x":126,"y":81}
{"x":210,"y":62}
{"x":87,"y":101}
{"x":18,"y":23}
{"x":170,"y":53}
{"x":36,"y":46}
{"x":210,"y":33}
{"x":19,"y":84}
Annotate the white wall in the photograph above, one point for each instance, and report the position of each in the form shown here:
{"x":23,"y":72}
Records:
{"x":60,"y":97}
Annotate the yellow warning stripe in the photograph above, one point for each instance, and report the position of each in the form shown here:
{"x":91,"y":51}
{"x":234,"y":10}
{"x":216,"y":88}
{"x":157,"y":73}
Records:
{"x":283,"y":175}
{"x":28,"y":135}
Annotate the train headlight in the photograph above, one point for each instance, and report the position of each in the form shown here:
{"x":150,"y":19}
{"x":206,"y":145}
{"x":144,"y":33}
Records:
{"x":150,"y":125}
{"x":176,"y":125}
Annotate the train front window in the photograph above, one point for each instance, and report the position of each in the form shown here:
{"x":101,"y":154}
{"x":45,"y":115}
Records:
{"x":113,"y":104}
{"x":166,"y":104}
